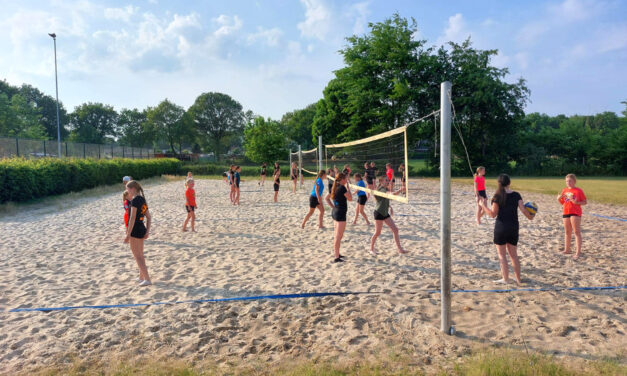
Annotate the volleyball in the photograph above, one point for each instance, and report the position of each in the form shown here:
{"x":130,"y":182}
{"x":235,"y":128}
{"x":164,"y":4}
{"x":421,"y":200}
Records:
{"x":531,"y":207}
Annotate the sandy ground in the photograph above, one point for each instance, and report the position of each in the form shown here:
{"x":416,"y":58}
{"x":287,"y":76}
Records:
{"x":72,"y":254}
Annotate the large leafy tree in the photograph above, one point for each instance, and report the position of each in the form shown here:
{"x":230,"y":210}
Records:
{"x":20,"y":118}
{"x":47,"y":108}
{"x":134,"y":128}
{"x":264,"y":141}
{"x":93,"y":123}
{"x":169,"y":122}
{"x":216,"y":116}
{"x":298,"y":124}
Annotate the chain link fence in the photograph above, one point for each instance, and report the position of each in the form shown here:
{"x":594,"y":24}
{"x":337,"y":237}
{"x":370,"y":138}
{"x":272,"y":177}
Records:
{"x":27,"y":148}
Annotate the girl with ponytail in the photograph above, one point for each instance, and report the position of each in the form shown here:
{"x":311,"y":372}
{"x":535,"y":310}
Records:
{"x":480,"y":195}
{"x":137,"y":232}
{"x":340,"y":194}
{"x":505,"y":205}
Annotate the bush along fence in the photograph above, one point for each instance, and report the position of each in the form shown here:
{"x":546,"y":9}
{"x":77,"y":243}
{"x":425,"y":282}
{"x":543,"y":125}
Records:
{"x":27,"y":179}
{"x":29,"y":148}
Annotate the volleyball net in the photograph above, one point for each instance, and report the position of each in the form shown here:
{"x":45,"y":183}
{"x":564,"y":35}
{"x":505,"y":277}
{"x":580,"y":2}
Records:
{"x":382,"y":152}
{"x":309,"y":161}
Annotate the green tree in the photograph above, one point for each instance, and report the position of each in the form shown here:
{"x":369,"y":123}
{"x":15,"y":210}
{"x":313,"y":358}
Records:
{"x":216,"y":116}
{"x":298,"y":124}
{"x":264,"y":141}
{"x":134,"y":129}
{"x":169,"y":122}
{"x":94,"y":123}
{"x":47,"y":108}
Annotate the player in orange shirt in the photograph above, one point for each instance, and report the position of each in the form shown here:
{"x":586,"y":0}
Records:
{"x":572,"y":199}
{"x":190,"y":204}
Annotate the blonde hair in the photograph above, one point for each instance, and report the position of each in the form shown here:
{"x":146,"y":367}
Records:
{"x":479,"y":169}
{"x":572,"y":176}
{"x":190,"y":180}
{"x":125,"y":195}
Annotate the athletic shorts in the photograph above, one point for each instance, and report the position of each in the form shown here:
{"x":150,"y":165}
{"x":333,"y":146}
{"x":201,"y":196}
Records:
{"x":570,"y":215}
{"x":189,"y":208}
{"x":139,"y":231}
{"x":361,"y":200}
{"x":330,"y":187}
{"x":313,"y":202}
{"x":263,"y":174}
{"x":393,"y":180}
{"x":276,"y":187}
{"x":505,"y":235}
{"x":482,"y":194}
{"x":236,"y":185}
{"x":339,"y":215}
{"x":370,"y":181}
{"x":379,"y":217}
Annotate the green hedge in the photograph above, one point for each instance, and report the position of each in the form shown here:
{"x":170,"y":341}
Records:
{"x":27,"y":179}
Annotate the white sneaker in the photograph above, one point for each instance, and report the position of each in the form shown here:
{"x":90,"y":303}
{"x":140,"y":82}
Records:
{"x":138,"y":280}
{"x":145,"y":283}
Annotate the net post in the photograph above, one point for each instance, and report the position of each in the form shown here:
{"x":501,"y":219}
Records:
{"x":445,"y":206}
{"x":319,"y":153}
{"x":406,"y":170}
{"x":300,"y":166}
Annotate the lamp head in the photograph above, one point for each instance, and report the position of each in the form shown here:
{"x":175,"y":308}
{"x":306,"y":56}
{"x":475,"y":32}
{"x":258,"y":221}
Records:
{"x":52,"y":35}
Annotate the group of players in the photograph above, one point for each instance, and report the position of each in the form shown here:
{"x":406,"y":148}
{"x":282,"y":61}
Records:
{"x":504,"y":207}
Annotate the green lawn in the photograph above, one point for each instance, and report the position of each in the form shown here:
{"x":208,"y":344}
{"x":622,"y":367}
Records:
{"x":609,"y":190}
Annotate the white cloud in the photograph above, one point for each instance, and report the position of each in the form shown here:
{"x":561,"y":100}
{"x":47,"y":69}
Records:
{"x":269,"y":37}
{"x":455,"y":31}
{"x":360,"y":12}
{"x":612,"y":38}
{"x":227,"y":25}
{"x":573,"y":10}
{"x":123,"y":14}
{"x":317,"y":23}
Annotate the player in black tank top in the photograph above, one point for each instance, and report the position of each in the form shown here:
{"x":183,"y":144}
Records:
{"x":505,"y":206}
{"x":340,"y":196}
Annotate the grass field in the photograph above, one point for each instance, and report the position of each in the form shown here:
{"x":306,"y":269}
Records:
{"x":493,"y":362}
{"x":609,"y":190}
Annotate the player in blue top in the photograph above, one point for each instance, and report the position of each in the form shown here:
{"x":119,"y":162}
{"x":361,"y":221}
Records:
{"x":315,"y":200}
{"x":362,"y":197}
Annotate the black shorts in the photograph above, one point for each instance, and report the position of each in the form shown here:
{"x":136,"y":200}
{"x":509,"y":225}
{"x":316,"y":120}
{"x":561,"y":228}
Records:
{"x":189,"y":208}
{"x":313,"y":202}
{"x":570,"y":215}
{"x":139,"y":231}
{"x":339,"y":215}
{"x":482,"y":194}
{"x":379,"y":217}
{"x":361,"y":200}
{"x":293,"y":177}
{"x":276,"y":187}
{"x":236,"y":185}
{"x":505,"y":235}
{"x":370,"y":181}
{"x":263,"y":174}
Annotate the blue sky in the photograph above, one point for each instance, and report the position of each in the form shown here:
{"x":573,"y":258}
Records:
{"x":277,"y":56}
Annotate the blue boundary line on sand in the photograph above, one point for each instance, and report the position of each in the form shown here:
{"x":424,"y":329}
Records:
{"x":608,"y":217}
{"x":304,"y":295}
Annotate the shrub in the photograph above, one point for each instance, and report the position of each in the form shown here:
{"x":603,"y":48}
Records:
{"x":24,"y":179}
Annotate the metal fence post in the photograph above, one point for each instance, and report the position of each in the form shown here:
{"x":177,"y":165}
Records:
{"x":98,"y":151}
{"x":111,"y":151}
{"x":84,"y":154}
{"x":17,"y":146}
{"x":123,"y":156}
{"x":66,"y":149}
{"x":132,"y":152}
{"x":44,"y":148}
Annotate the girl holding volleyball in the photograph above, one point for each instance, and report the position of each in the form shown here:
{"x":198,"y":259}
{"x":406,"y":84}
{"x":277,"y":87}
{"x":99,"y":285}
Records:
{"x":340,"y":194}
{"x":315,"y":200}
{"x":572,"y":199}
{"x":480,"y":195}
{"x":505,"y":205}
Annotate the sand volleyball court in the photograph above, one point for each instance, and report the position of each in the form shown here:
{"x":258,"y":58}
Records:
{"x":71,"y":254}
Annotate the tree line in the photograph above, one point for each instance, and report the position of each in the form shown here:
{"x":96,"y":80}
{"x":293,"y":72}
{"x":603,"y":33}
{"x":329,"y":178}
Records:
{"x":389,"y":79}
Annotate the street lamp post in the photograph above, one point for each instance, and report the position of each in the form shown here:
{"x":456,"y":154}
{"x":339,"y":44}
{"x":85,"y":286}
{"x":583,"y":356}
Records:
{"x":56,"y":82}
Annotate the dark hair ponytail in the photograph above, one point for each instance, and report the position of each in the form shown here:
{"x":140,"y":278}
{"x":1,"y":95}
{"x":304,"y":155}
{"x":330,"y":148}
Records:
{"x":336,"y":184}
{"x":321,"y":173}
{"x":500,"y":197}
